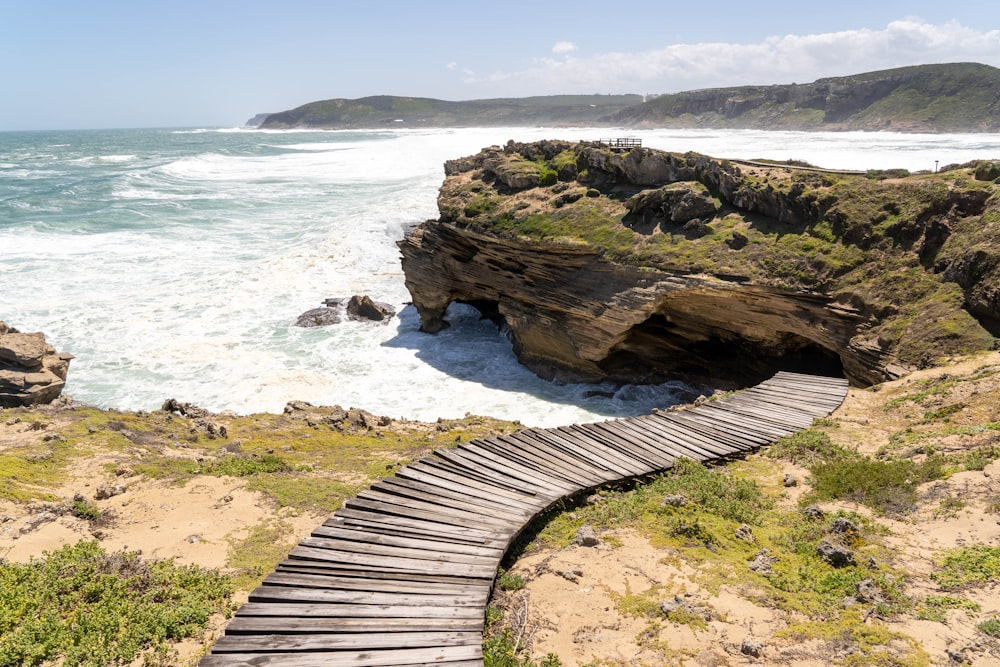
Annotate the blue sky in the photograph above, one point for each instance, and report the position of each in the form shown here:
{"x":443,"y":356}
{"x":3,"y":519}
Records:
{"x":98,"y":64}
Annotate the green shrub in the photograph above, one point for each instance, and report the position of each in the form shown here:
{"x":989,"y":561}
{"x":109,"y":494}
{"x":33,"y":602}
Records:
{"x":82,"y":606}
{"x":84,"y":510}
{"x":547,"y":177}
{"x":889,"y":487}
{"x":968,"y":565}
{"x":808,"y":448}
{"x":480,"y":205}
{"x":246,"y":466}
{"x":510,"y":581}
{"x":990,"y":627}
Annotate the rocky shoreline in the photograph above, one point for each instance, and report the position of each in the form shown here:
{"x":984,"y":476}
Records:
{"x":643,"y":265}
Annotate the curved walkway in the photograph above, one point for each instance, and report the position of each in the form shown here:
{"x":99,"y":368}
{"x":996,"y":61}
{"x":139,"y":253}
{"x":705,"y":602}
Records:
{"x":400,"y":576}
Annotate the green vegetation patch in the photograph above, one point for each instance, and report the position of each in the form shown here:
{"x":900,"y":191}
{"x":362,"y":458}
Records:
{"x":83,"y":606}
{"x":967,"y":566}
{"x":889,"y":487}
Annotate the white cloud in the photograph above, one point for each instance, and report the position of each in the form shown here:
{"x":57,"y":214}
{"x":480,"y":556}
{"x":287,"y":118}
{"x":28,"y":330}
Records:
{"x":452,"y":66}
{"x":776,"y":59}
{"x":563,"y":47}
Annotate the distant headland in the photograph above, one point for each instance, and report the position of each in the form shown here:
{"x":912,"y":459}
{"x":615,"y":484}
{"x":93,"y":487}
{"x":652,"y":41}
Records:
{"x":953,"y":97}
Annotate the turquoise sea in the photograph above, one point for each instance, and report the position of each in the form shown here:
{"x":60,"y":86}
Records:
{"x":173,"y":262}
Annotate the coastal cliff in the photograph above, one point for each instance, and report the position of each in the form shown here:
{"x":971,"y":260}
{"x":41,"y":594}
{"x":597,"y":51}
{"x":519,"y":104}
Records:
{"x":949,"y":97}
{"x":645,"y":265}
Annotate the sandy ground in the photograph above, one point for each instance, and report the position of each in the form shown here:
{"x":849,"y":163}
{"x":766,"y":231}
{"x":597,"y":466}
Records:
{"x":577,"y":620}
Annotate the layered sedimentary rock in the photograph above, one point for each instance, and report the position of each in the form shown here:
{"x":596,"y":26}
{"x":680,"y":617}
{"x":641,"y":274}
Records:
{"x":31,"y":371}
{"x":647,"y":265}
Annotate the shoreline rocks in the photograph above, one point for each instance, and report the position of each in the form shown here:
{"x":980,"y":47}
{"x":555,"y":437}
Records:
{"x":357,"y":308}
{"x":31,"y":371}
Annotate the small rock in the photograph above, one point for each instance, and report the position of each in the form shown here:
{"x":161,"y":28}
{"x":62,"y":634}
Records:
{"x":842,"y":526}
{"x":595,"y":499}
{"x":867,"y":591}
{"x":790,"y":480}
{"x":53,"y":437}
{"x":105,"y":491}
{"x":572,"y":576}
{"x":318,"y":317}
{"x":957,"y":657}
{"x":871,"y":564}
{"x":193,"y":539}
{"x":762,"y":562}
{"x":586,"y":537}
{"x":814,"y":512}
{"x":738,"y":241}
{"x":745,"y":533}
{"x":675,"y":500}
{"x":34,"y":522}
{"x":79,"y":497}
{"x":752,"y":648}
{"x":835,"y":555}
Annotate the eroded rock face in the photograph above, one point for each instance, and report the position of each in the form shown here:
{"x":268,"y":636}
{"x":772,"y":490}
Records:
{"x":574,"y":316}
{"x":646,"y":265}
{"x":31,"y":371}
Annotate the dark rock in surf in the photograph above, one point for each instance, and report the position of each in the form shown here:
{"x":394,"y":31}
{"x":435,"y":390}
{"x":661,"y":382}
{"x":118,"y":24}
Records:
{"x":319,"y":317}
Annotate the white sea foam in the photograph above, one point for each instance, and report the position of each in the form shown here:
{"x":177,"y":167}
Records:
{"x":179,"y":272}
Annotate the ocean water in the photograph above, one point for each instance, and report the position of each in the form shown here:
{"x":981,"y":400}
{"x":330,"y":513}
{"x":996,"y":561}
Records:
{"x":173,"y":263}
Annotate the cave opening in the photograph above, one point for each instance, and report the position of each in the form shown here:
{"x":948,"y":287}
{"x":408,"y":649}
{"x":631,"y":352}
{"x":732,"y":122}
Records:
{"x":658,"y":350}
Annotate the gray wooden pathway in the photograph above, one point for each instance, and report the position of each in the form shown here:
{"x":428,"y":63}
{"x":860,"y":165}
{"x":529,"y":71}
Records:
{"x":400,"y":575}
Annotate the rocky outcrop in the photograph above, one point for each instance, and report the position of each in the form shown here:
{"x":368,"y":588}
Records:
{"x":358,"y":307}
{"x":574,"y":316}
{"x":31,"y":371}
{"x":648,"y":265}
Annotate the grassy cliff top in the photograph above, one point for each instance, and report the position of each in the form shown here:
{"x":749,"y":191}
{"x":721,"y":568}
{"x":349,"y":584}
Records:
{"x":917,"y":253}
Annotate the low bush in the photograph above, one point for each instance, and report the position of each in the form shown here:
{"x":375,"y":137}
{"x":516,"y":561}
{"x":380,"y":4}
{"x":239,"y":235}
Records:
{"x":889,"y":487}
{"x":82,"y":606}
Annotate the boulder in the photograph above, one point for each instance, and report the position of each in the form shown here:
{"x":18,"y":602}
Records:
{"x":363,"y":308}
{"x":334,"y":311}
{"x":318,"y":317}
{"x":31,"y":371}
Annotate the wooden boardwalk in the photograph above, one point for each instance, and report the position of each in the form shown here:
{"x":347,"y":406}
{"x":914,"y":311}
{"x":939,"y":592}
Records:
{"x":400,"y":575}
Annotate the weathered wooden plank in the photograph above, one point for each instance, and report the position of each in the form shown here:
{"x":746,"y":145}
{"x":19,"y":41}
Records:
{"x":392,"y":563}
{"x":337,"y":610}
{"x":368,"y":536}
{"x":776,"y":412}
{"x":275,"y":625}
{"x":508,"y":466}
{"x":268,"y":593}
{"x":537,"y":453}
{"x":426,"y":552}
{"x":582,"y":441}
{"x":403,"y":525}
{"x":441,"y":496}
{"x":282,"y":577}
{"x":651,"y":438}
{"x":688,"y":445}
{"x":275,"y":643}
{"x":713,"y":445}
{"x":637,"y":444}
{"x":445,"y":655}
{"x":590,"y":471}
{"x":577,"y":450}
{"x":462,"y":461}
{"x":717,"y":430}
{"x":478,"y":517}
{"x":448,"y":478}
{"x":429,"y":542}
{"x":743,"y":423}
{"x":426,"y":512}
